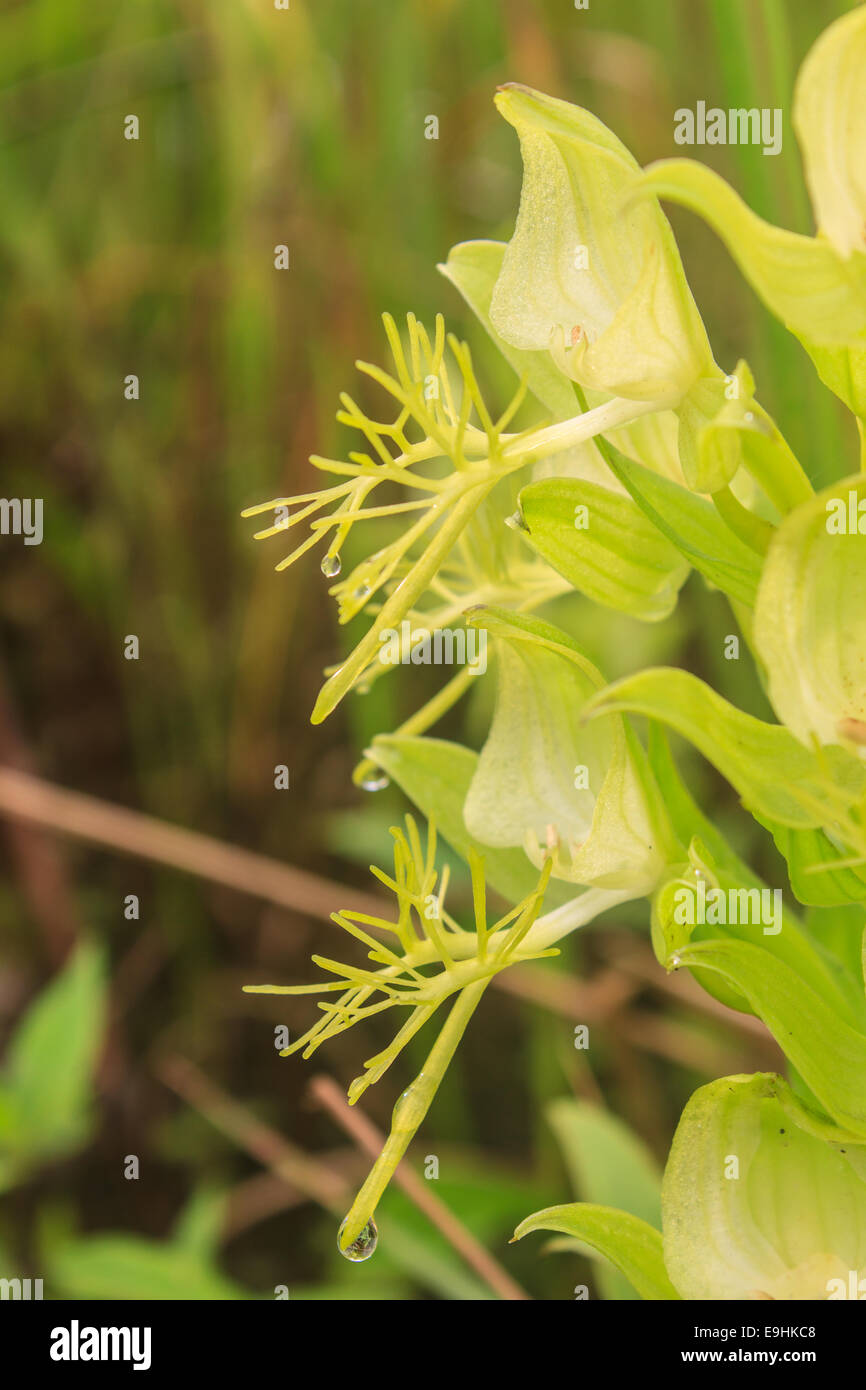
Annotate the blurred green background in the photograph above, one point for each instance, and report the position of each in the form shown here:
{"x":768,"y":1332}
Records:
{"x":155,"y":257}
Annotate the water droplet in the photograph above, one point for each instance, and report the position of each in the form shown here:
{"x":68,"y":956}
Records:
{"x":331,"y":566}
{"x":516,"y":522}
{"x":675,"y":961}
{"x":757,"y":423}
{"x":362,"y":591}
{"x":362,"y":1246}
{"x":376,"y":781}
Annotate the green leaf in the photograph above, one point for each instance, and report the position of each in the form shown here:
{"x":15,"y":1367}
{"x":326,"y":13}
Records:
{"x":776,"y":776}
{"x":51,"y":1058}
{"x":489,"y":1202}
{"x":694,"y":527}
{"x":199,"y":1225}
{"x":609,"y":1166}
{"x":756,"y":1203}
{"x":126,"y":1267}
{"x":829,"y":1054}
{"x":630,"y":1244}
{"x":617,"y":558}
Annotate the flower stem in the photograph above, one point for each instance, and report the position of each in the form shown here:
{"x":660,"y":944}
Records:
{"x":410,"y":1111}
{"x":610,"y":416}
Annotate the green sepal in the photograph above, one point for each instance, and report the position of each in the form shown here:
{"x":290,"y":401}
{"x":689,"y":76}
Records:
{"x":774,"y":774}
{"x":630,"y":1244}
{"x":828,"y":1052}
{"x":619,"y":558}
{"x":819,"y":294}
{"x":473,"y":267}
{"x":829,"y":117}
{"x":694,"y":526}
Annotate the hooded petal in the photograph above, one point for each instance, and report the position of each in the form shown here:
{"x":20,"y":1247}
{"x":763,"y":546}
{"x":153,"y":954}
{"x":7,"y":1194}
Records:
{"x":607,"y":283}
{"x":756,"y":1202}
{"x":810,"y":618}
{"x":545,"y":781}
{"x":830,"y":121}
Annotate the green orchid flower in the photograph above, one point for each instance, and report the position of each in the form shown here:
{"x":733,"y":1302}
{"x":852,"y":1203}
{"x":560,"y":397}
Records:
{"x":440,"y":415}
{"x":810,"y":618}
{"x":593,"y":281}
{"x":815,"y":285}
{"x":547,"y":782}
{"x":421,"y":960}
{"x":761,"y":1199}
{"x":605,"y":292}
{"x":474,"y":267}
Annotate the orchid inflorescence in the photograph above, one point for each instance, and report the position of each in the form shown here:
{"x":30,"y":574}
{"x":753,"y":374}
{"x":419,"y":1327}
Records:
{"x":662,"y":464}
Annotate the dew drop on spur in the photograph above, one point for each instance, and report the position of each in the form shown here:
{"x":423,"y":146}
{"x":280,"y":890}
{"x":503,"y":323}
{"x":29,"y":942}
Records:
{"x":362,"y":1246}
{"x":331,"y":566}
{"x":377,"y":781}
